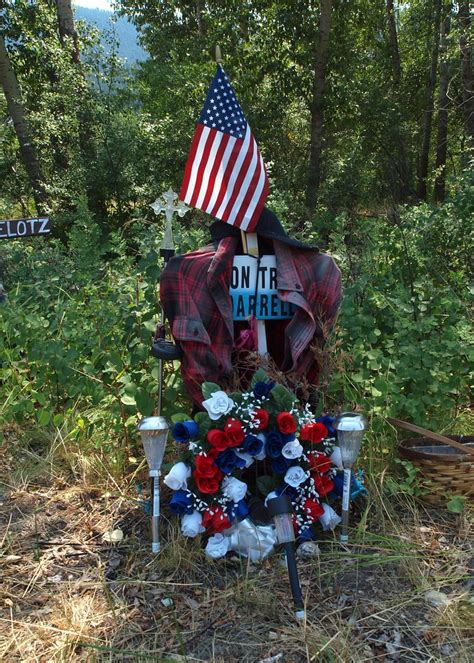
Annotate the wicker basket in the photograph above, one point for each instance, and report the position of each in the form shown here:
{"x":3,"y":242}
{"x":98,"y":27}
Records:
{"x":446,"y":470}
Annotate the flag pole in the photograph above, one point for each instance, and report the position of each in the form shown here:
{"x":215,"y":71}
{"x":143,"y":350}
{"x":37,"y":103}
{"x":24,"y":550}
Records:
{"x":250,"y":247}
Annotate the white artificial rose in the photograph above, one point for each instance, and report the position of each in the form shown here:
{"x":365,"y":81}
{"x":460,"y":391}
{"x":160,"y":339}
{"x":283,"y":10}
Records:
{"x":329,"y":519}
{"x":177,"y":476}
{"x":336,"y":458}
{"x":234,"y":489}
{"x":245,"y":456}
{"x":191,"y":524}
{"x":295,"y":476}
{"x":218,"y":405}
{"x":292,"y":450}
{"x":217,"y":546}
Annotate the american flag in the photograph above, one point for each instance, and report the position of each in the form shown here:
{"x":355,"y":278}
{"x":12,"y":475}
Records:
{"x":225,"y":175}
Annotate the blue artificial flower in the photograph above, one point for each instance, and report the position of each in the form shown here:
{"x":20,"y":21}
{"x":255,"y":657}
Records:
{"x":288,"y":438}
{"x":274,"y":444}
{"x":307,"y":535}
{"x":328,"y":422}
{"x":227,"y":461}
{"x":252,"y":445}
{"x":356,"y":486}
{"x":237,"y":510}
{"x":183,"y":431}
{"x":281,"y":464}
{"x":285,"y":489}
{"x":262,"y":389}
{"x":338,"y":481}
{"x":181,"y":502}
{"x":242,"y":510}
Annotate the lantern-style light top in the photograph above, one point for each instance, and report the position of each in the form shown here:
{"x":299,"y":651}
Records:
{"x":153,"y":423}
{"x":154,"y":433}
{"x":350,"y":421}
{"x":350,"y":427}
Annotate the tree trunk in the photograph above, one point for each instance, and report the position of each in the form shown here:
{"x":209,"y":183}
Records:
{"x":67,"y":28}
{"x":199,"y":19}
{"x":68,"y":33}
{"x":317,"y":115}
{"x":467,"y":78}
{"x":402,"y":185}
{"x":429,"y":103}
{"x":443,"y":101}
{"x":17,"y":113}
{"x":393,"y":38}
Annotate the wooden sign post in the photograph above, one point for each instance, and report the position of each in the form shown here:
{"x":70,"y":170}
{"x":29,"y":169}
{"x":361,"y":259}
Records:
{"x":16,"y":228}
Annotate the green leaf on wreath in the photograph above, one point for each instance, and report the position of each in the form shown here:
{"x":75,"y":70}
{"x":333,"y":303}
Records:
{"x":237,"y":397}
{"x":204,"y":423}
{"x":259,"y":376}
{"x":209,"y":388}
{"x":283,"y":398}
{"x":266,"y":484}
{"x":180,"y":416}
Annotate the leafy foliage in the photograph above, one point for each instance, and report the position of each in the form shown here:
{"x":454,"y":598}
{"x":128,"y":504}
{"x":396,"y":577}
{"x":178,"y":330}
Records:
{"x":77,"y":337}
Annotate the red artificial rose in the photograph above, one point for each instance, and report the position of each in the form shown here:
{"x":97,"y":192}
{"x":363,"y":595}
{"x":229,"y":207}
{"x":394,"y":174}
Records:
{"x":312,"y":509}
{"x":286,"y":423}
{"x":205,"y":467}
{"x":319,"y":463}
{"x":212,"y":453}
{"x":207,"y":485}
{"x":218,"y":439}
{"x":234,"y":431}
{"x":323,"y":484}
{"x":217,"y":522}
{"x":313,"y":433}
{"x":260,"y":417}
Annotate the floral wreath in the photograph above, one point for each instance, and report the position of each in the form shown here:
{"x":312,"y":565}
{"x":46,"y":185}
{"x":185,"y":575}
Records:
{"x":256,"y":444}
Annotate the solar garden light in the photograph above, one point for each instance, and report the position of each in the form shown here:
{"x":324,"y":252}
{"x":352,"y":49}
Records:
{"x":154,"y":433}
{"x":281,"y":511}
{"x":350,"y":427}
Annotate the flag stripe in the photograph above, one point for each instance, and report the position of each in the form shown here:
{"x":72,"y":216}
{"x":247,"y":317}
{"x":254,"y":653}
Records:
{"x":214,"y":143}
{"x":238,"y":188}
{"x":253,"y":206}
{"x":224,"y":175}
{"x":234,"y":175}
{"x":204,"y":151}
{"x":185,"y":186}
{"x":215,"y":177}
{"x":234,"y":216}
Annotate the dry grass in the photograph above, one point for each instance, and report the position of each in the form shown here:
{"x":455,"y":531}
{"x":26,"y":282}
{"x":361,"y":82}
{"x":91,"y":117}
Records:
{"x":67,"y":595}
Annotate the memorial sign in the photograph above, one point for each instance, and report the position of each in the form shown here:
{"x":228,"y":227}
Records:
{"x":14,"y":228}
{"x":254,"y":290}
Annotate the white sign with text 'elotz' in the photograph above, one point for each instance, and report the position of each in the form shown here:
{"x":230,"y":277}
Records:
{"x":254,"y":290}
{"x":15,"y":228}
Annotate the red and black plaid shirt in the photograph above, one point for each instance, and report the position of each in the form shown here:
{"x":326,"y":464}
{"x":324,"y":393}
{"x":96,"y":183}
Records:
{"x":194,"y":291}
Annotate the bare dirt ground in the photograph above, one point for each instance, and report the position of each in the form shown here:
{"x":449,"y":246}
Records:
{"x":399,"y":592}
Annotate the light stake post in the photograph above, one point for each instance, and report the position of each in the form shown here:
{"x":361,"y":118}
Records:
{"x":280,"y":510}
{"x":350,"y":427}
{"x":154,"y":433}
